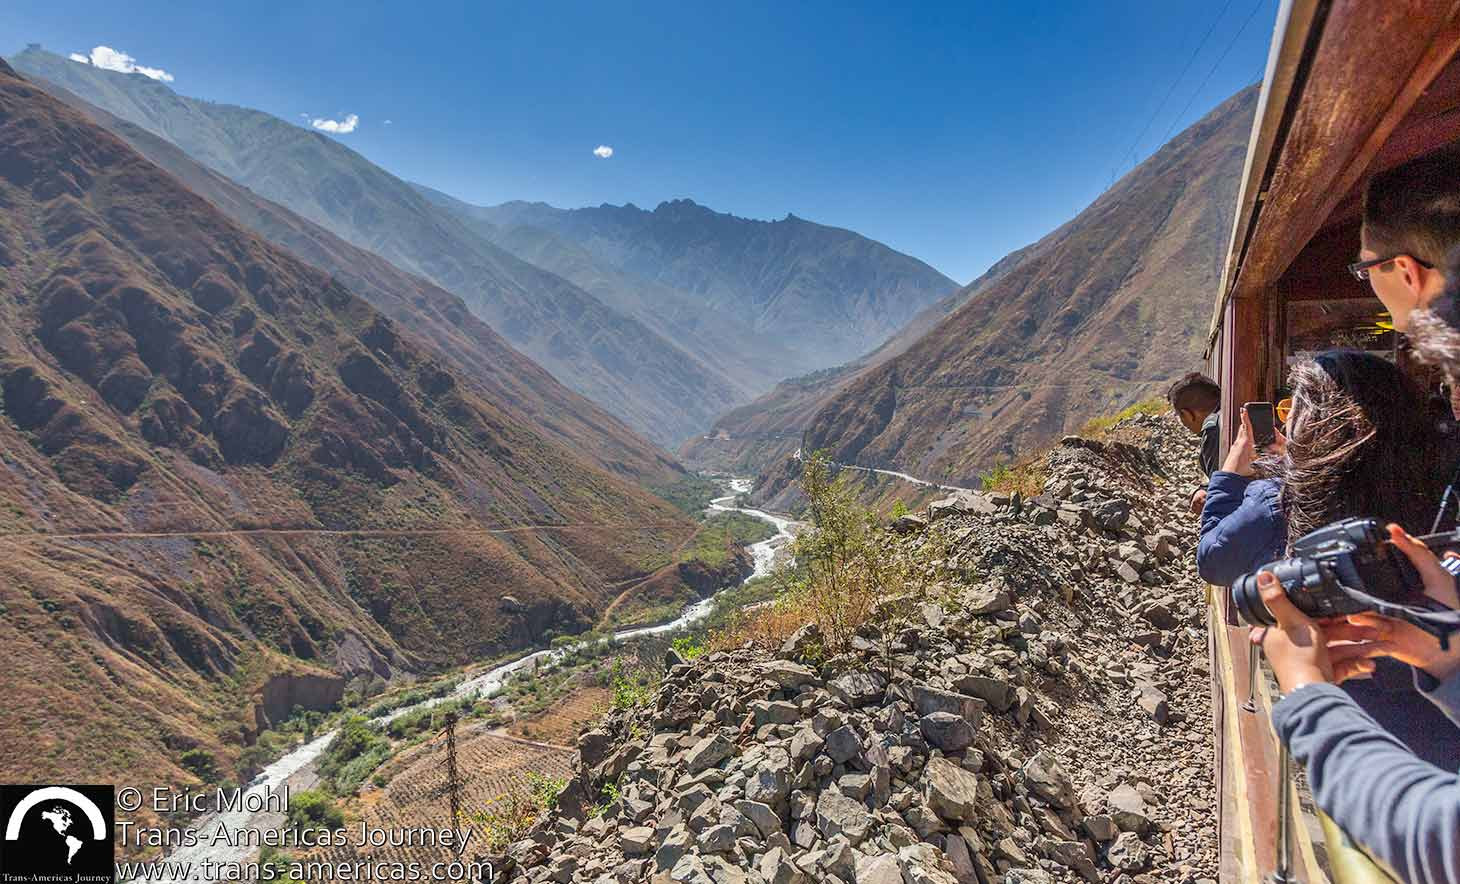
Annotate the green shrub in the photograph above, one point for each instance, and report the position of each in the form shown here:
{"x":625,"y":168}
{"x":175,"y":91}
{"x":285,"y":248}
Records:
{"x":512,"y":813}
{"x":202,"y":764}
{"x":632,"y":686}
{"x":312,"y":809}
{"x":352,"y":755}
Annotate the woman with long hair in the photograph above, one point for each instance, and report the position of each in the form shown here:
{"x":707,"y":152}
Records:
{"x":1362,"y":440}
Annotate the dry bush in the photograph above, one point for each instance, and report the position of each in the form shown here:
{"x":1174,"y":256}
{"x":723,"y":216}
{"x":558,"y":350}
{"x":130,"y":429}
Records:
{"x":1025,"y":477}
{"x":847,"y":565}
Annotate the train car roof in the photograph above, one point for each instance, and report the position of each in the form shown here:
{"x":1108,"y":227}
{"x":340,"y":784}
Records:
{"x":1351,"y":87}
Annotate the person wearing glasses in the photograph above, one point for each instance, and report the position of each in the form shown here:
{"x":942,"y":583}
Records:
{"x":1360,"y":440}
{"x":1411,"y":222}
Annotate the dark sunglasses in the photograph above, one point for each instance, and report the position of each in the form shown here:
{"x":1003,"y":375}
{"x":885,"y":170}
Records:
{"x":1360,"y":269}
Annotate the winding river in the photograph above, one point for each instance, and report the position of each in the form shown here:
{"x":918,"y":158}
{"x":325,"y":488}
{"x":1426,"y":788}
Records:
{"x":484,"y":685}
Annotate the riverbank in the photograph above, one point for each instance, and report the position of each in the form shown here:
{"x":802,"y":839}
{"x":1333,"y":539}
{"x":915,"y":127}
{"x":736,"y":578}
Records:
{"x":297,"y":767}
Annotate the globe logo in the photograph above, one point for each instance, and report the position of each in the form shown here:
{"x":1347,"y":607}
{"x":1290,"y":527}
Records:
{"x":59,"y":832}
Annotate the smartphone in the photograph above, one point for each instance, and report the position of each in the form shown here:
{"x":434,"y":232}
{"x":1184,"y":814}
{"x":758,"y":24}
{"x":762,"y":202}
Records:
{"x":1260,"y":414}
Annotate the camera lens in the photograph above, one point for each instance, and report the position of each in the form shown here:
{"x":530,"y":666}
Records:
{"x":1248,"y":600}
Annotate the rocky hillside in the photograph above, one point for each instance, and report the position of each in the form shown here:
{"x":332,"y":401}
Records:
{"x":764,"y":432}
{"x":220,"y":464}
{"x":516,"y":384}
{"x":1101,"y":313}
{"x":826,"y":294}
{"x":1044,"y":716}
{"x":661,"y":389}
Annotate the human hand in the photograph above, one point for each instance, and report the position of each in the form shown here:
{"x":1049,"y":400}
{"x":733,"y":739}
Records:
{"x":1241,"y":455}
{"x":1279,"y":444}
{"x":1198,"y":500}
{"x":1405,"y":642}
{"x":1297,"y":648}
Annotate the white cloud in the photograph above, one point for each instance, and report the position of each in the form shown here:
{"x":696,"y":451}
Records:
{"x":110,"y":59}
{"x":338,"y":127}
{"x":387,"y":122}
{"x":603,"y":151}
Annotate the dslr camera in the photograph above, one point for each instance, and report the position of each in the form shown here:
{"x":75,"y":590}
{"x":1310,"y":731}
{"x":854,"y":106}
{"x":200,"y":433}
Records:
{"x":1348,"y":567}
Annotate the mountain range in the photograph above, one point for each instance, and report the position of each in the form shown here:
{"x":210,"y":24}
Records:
{"x":223,"y":470}
{"x":667,"y":319}
{"x":824,"y":295}
{"x":1105,"y":311}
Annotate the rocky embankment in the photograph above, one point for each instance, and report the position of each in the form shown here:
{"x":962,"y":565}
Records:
{"x":1046,"y":718}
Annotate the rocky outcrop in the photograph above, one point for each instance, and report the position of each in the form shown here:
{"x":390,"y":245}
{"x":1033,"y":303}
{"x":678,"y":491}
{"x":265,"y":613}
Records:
{"x":287,"y":692}
{"x":998,"y":729}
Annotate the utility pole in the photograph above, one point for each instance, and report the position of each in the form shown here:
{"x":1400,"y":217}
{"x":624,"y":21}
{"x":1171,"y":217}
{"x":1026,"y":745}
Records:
{"x":453,"y":780}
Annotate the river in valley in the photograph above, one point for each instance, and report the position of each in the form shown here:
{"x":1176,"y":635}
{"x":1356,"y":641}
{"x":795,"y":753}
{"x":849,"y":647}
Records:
{"x":294,"y":767}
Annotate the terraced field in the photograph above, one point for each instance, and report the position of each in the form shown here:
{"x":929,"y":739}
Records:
{"x":561,"y":722}
{"x":415,"y":797}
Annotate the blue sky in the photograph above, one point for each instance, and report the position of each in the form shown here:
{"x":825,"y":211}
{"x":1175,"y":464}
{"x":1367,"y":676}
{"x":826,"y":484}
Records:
{"x":955,"y":132}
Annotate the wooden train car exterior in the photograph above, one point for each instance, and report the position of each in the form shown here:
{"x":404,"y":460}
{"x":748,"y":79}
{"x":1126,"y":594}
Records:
{"x":1351,"y":87}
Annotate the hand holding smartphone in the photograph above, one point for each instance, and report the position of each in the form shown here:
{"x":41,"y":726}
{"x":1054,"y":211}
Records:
{"x":1260,"y":416}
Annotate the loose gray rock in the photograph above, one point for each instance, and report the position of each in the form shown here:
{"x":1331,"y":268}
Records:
{"x":857,"y":688}
{"x":995,"y":691}
{"x":949,"y":732}
{"x":836,"y":814}
{"x":1128,"y":853}
{"x":949,"y":790}
{"x":1128,"y":809}
{"x":636,"y":841}
{"x":1044,"y":777}
{"x":842,"y":744}
{"x":707,"y":753}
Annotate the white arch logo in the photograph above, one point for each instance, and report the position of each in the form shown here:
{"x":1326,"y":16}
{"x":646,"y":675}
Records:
{"x":58,"y":793}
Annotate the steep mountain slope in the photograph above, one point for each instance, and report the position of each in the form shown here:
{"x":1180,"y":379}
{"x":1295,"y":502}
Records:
{"x":765,"y":431}
{"x":228,"y":483}
{"x":828,"y":293}
{"x":1104,"y":311}
{"x":513,"y":382}
{"x":656,"y":386}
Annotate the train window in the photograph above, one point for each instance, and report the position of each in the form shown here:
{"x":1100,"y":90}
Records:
{"x":1358,"y":323}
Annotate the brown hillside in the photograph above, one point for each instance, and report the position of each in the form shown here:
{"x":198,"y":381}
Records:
{"x":166,"y":373}
{"x":753,"y":437}
{"x":510,"y":380}
{"x":1099,"y":314}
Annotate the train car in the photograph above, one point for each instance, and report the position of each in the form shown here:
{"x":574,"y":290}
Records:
{"x":1352,"y":87}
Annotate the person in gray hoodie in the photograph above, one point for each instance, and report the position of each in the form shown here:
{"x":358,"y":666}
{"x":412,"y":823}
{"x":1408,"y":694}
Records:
{"x":1403,"y":810}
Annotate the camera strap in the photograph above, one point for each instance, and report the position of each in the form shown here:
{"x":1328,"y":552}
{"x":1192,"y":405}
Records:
{"x":1445,"y":499}
{"x":1439,"y":622}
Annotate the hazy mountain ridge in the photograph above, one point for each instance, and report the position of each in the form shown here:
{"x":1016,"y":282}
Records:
{"x":828,"y":293}
{"x":727,"y":341}
{"x":655,"y":385}
{"x":165,"y":371}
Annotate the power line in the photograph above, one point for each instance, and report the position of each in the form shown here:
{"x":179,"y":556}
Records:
{"x":1225,"y":52}
{"x":1190,"y":59}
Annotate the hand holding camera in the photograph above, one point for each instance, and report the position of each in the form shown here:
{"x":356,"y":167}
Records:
{"x":1304,"y":651}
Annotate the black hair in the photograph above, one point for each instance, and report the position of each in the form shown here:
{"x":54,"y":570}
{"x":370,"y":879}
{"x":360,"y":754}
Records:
{"x":1362,"y":441}
{"x":1414,"y":209}
{"x":1195,"y":391}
